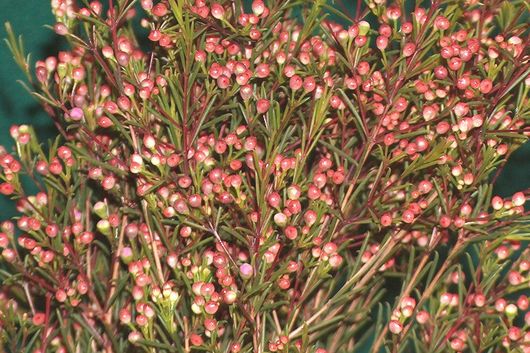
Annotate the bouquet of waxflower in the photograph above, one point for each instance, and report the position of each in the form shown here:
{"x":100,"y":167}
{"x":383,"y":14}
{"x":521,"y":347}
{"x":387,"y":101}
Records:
{"x":236,"y":177}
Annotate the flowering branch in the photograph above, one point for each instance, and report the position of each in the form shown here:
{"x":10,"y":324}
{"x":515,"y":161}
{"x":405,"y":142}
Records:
{"x":263,"y":179}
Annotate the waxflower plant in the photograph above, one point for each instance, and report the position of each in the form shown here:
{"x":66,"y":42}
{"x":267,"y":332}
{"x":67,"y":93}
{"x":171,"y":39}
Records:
{"x":235,"y":178}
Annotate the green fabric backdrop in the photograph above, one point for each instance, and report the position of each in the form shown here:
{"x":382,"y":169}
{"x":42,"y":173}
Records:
{"x":28,"y":18}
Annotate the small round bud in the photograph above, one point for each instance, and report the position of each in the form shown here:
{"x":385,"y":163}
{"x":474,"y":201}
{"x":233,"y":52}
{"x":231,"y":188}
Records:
{"x":511,"y":311}
{"x":246,"y":271}
{"x":395,"y":327}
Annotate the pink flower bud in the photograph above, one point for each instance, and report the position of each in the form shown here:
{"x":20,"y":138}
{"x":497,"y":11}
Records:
{"x":258,"y":7}
{"x":76,"y":114}
{"x":246,"y":271}
{"x":395,"y":327}
{"x":262,"y":106}
{"x":217,"y":11}
{"x":518,"y":199}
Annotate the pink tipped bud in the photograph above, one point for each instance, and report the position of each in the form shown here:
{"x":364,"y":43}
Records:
{"x":457,"y":344}
{"x":229,"y":297}
{"x":511,"y":310}
{"x":246,"y":271}
{"x":422,"y":317}
{"x":134,"y":336}
{"x":258,"y":7}
{"x":60,"y":29}
{"x":280,"y":219}
{"x":125,"y":316}
{"x":335,"y":260}
{"x":274,"y":200}
{"x":218,"y":11}
{"x":497,"y":203}
{"x":395,"y":327}
{"x":262,"y":106}
{"x":76,"y":114}
{"x":149,"y":141}
{"x":518,"y":199}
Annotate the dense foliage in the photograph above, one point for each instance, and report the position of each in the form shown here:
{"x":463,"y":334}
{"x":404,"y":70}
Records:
{"x":231,"y":178}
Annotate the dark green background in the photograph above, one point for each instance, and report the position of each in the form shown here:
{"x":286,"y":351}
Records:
{"x":28,"y":18}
